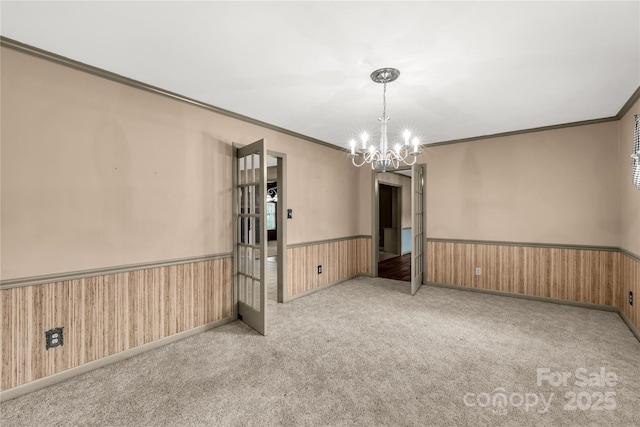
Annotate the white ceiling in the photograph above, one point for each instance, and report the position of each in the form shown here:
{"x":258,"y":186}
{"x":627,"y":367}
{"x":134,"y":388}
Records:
{"x":467,"y":68}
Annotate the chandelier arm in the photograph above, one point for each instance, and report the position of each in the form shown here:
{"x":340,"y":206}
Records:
{"x":353,"y":160}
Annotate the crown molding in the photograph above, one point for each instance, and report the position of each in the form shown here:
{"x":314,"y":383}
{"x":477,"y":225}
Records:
{"x":99,"y":72}
{"x":627,"y":105}
{"x":80,"y":66}
{"x":524,"y":131}
{"x":624,"y":110}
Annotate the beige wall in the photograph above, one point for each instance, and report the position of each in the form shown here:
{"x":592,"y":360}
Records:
{"x":98,"y":174}
{"x":629,"y":195}
{"x":555,"y":186}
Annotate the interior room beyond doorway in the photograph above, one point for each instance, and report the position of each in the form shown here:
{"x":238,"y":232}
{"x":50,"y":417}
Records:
{"x":272,"y":229}
{"x":394,"y":225}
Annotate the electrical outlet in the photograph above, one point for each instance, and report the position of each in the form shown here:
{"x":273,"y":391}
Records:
{"x":478,"y":271}
{"x":53,"y":338}
{"x":630,"y":297}
{"x":319,"y":269}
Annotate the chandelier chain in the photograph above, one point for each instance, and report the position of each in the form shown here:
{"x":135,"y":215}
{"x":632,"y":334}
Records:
{"x":384,"y":101}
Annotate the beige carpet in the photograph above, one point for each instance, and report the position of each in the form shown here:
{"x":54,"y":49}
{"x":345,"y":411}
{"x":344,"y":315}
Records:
{"x":367,"y":353}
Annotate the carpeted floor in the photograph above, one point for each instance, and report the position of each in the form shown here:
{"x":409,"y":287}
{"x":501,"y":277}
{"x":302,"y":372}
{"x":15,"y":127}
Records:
{"x":367,"y":353}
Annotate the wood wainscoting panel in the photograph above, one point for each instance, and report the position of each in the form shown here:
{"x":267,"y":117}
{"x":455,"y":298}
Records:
{"x":583,"y":275}
{"x":105,"y":315}
{"x":629,"y":281}
{"x":340,"y":259}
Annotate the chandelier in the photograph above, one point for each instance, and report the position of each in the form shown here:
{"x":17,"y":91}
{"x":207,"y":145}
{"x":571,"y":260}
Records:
{"x":383,"y":156}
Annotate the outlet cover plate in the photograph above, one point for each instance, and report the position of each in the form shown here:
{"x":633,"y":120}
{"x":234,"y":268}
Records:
{"x":54,"y":338}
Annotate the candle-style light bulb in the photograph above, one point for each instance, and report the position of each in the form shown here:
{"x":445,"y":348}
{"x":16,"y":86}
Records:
{"x":364,"y":138}
{"x":416,"y":143}
{"x":406,"y":134}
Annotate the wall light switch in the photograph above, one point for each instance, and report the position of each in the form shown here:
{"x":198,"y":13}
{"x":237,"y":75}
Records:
{"x":478,"y":271}
{"x":289,"y":213}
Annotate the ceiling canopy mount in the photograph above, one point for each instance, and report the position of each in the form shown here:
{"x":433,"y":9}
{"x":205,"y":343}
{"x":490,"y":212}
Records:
{"x":385,"y":75}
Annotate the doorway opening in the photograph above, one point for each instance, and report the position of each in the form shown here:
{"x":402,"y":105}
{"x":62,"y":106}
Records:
{"x":394,"y":217}
{"x":399,"y":225}
{"x":389,"y":215}
{"x":276,"y":227}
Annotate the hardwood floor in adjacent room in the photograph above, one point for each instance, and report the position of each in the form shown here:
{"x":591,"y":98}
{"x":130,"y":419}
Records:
{"x":397,"y":268}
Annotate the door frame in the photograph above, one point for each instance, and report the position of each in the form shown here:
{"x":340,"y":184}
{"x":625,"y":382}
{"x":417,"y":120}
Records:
{"x":281,"y":220}
{"x":398,"y":212}
{"x":375,"y":221}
